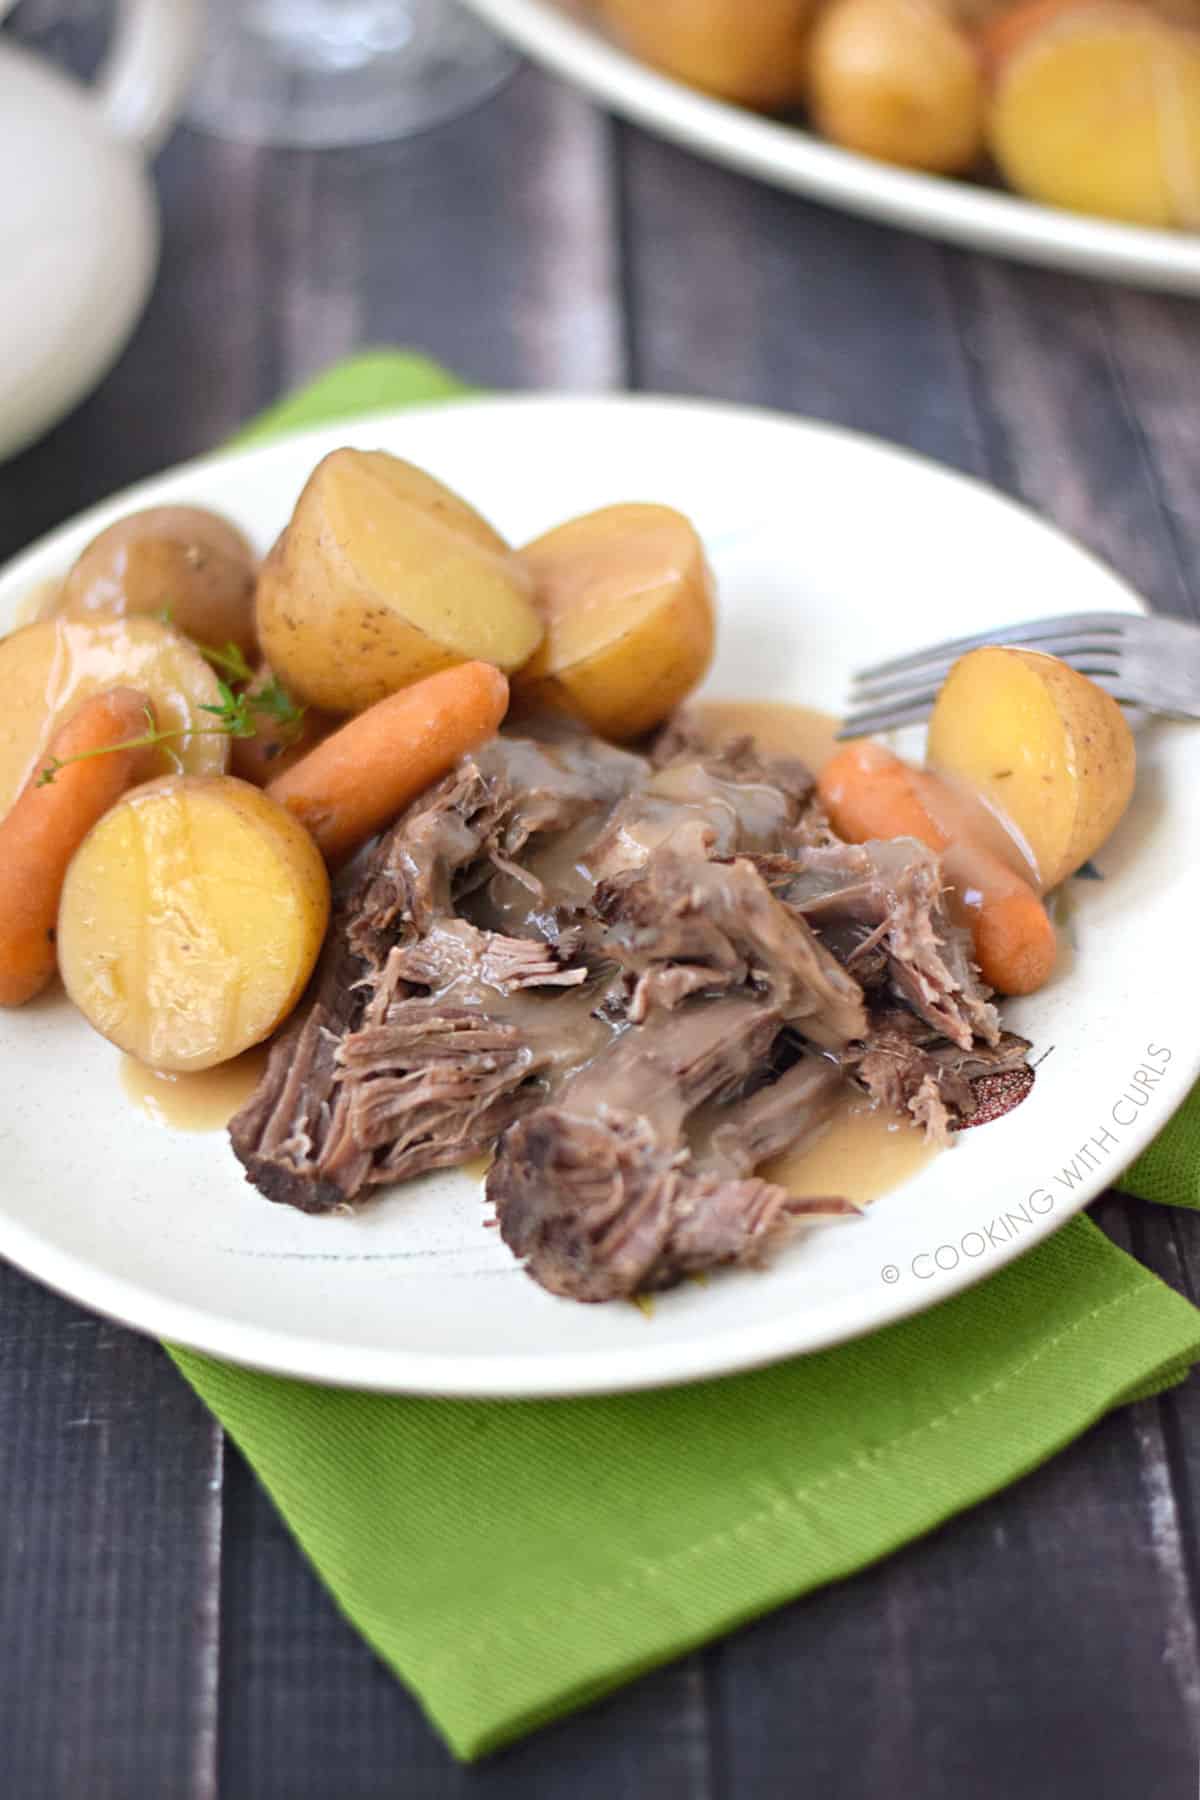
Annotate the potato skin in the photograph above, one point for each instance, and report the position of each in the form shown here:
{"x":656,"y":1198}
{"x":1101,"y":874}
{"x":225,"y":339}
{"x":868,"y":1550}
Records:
{"x":276,"y":747}
{"x":182,"y":560}
{"x":635,"y":682}
{"x":898,"y":80}
{"x":49,"y":668}
{"x":756,"y":55}
{"x":382,"y":577}
{"x":191,"y":919}
{"x":627,"y":597}
{"x":1046,"y":747}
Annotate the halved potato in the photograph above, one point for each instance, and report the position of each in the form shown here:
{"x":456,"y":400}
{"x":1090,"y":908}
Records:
{"x":191,"y":918}
{"x":384,"y":576}
{"x":626,"y":596}
{"x":1041,"y":744}
{"x":48,"y":669}
{"x":182,"y":561}
{"x":1096,"y":107}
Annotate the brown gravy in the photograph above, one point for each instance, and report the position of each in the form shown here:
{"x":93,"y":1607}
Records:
{"x":805,"y":732}
{"x":968,"y":821}
{"x":202,"y":1102}
{"x":801,"y":731}
{"x":863,"y":1154}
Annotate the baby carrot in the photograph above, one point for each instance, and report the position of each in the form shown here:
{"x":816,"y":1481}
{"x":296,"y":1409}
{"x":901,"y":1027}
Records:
{"x":869,"y":793}
{"x":47,"y":824}
{"x":355,"y":782}
{"x":1015,"y":944}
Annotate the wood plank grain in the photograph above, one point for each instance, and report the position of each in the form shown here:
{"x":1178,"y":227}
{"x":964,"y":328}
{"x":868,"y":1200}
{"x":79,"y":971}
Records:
{"x":739,"y":292}
{"x":1087,"y":399}
{"x":108,"y":1497}
{"x":110,"y":1494}
{"x":490,"y":242}
{"x":1062,"y":426}
{"x":1154,"y":346}
{"x":308,"y":1712}
{"x":1018,"y":1651}
{"x":966,"y":1664}
{"x":398,"y":244}
{"x":205,"y":356}
{"x":1168,"y":1239}
{"x":272,"y":265}
{"x":960,"y":1664}
{"x":1040,"y":1645}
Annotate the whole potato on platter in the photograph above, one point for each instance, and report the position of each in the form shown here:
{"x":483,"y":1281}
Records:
{"x":753,"y":54}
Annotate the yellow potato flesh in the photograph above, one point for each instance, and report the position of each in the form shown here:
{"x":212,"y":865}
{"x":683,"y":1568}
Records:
{"x":1043,"y":746}
{"x":753,"y":54}
{"x":626,"y":597}
{"x":1100,"y":112}
{"x":897,"y":80}
{"x":48,"y":669}
{"x":382,"y":577}
{"x":186,"y":562}
{"x":191,"y":918}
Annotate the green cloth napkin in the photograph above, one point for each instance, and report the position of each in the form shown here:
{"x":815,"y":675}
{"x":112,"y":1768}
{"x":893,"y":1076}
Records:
{"x":1169,"y":1171}
{"x":514,"y":1560}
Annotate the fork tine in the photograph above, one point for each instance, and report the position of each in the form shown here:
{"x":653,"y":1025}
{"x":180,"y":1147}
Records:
{"x":866,"y":721}
{"x":1089,"y":658}
{"x":870,"y":719}
{"x":1034,"y":631}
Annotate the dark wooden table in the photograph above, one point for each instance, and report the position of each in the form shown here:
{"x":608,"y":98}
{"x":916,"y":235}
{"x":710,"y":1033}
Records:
{"x":159,"y":1634}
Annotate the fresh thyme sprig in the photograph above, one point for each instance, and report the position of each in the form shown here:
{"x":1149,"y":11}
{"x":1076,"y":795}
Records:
{"x":270,"y":701}
{"x":235,"y":716}
{"x":230,"y":661}
{"x":147,"y":740}
{"x":273,"y":701}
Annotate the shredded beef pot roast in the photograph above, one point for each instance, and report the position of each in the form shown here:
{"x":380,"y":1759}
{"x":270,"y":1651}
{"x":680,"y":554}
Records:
{"x":638,"y":978}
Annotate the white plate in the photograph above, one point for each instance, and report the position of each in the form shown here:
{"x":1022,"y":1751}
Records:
{"x":827,"y":547}
{"x":789,"y":157}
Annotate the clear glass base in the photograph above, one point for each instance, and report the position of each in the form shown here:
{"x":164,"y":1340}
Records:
{"x":314,"y":73}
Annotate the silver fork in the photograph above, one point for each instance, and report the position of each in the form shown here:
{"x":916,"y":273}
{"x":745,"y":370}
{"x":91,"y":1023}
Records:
{"x":1143,"y":661}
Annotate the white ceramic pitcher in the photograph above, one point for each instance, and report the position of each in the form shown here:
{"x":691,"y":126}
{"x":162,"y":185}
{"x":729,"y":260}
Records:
{"x":78,"y":220}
